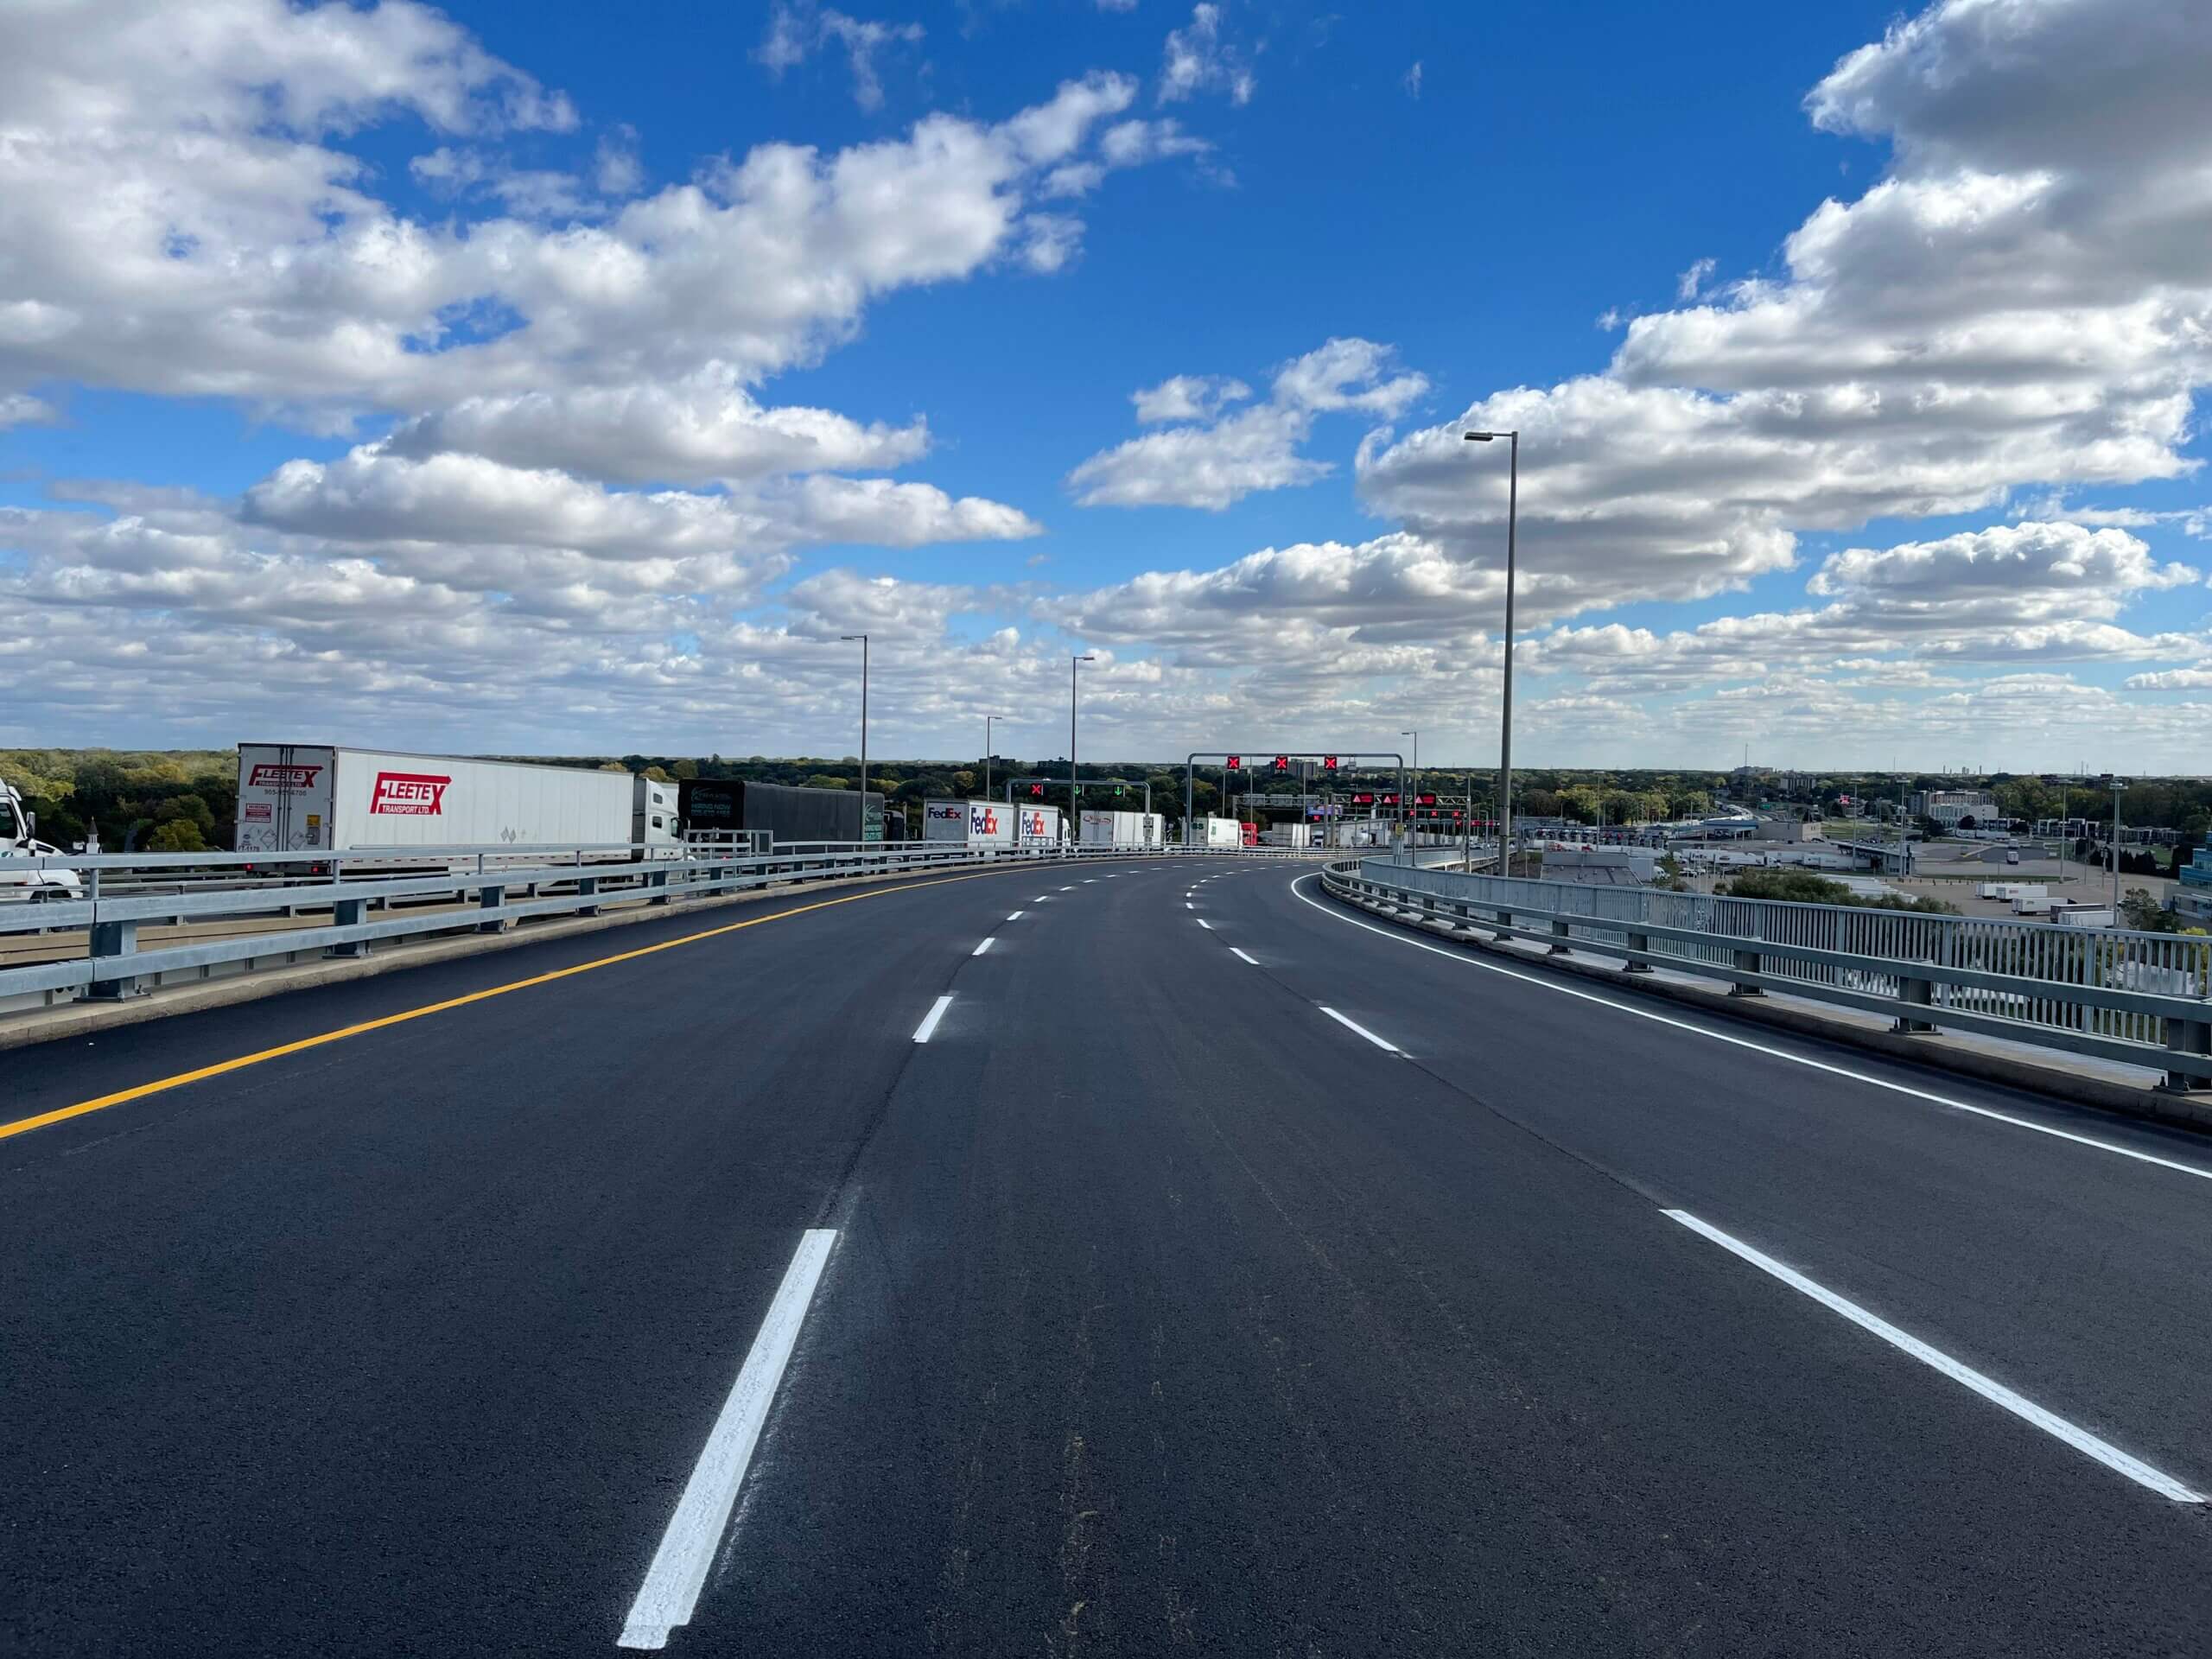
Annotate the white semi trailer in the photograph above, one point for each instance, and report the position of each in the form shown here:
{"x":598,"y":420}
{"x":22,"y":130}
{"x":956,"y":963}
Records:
{"x":1104,"y":829}
{"x":1224,"y":832}
{"x":1038,"y":828}
{"x":976,"y":823}
{"x":299,"y":798}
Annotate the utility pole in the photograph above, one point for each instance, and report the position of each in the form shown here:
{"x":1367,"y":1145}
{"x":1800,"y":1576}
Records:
{"x":1505,"y":724}
{"x":988,"y":719}
{"x":1072,"y":820}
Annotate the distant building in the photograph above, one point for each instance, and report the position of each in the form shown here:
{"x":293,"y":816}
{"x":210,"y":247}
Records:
{"x":1947,"y":806}
{"x":2193,"y":893}
{"x":1789,"y":828}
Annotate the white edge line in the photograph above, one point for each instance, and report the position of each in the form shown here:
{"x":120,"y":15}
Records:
{"x":1762,"y":1048}
{"x":929,"y":1020}
{"x":1205,"y":924}
{"x":2080,"y":1439}
{"x":695,"y":1531}
{"x":980,"y":948}
{"x":1353,"y":1025}
{"x":1014,"y":916}
{"x":1234,"y":951}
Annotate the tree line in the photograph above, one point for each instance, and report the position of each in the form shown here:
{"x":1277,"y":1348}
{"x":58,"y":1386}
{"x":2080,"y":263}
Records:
{"x":186,"y":800}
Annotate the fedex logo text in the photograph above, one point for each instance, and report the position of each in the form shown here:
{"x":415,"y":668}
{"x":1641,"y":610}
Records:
{"x":269,"y":774}
{"x":409,"y":794}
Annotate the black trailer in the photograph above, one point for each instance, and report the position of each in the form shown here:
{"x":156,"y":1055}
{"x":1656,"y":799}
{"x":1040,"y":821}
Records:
{"x":784,"y":811}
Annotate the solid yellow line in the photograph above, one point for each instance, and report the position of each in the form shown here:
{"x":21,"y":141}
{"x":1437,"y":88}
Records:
{"x":61,"y":1113}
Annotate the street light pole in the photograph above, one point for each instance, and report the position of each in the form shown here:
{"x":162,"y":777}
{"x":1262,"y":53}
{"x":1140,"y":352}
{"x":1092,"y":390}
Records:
{"x":1073,"y":822}
{"x":2118,"y":784}
{"x":988,"y":719}
{"x":1505,"y":735}
{"x":1467,"y":827}
{"x":1406,"y":819}
{"x":862,"y":638}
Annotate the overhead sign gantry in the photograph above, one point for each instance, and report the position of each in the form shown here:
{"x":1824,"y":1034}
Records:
{"x":1278,"y":762}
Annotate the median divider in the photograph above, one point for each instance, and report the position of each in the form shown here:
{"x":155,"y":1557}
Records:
{"x":310,"y":923}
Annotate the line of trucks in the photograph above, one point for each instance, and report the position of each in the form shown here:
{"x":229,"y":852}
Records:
{"x":301,"y":798}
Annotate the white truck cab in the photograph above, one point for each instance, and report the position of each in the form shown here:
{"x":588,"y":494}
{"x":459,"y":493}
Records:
{"x":20,"y":877}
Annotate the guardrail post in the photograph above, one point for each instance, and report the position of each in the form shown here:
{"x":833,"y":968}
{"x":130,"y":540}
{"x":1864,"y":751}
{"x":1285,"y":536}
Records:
{"x":1914,"y":994}
{"x":112,"y":939}
{"x":657,"y":880}
{"x":490,"y":897}
{"x":1638,"y":942}
{"x":586,"y":886}
{"x":349,"y":912}
{"x":1747,"y":961}
{"x":2186,"y":1037}
{"x":1561,"y":938}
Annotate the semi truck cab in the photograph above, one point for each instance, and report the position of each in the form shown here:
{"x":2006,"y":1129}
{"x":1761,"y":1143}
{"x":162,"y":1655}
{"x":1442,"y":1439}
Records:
{"x":19,"y":879}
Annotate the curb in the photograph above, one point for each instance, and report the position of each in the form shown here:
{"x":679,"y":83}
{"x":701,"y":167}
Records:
{"x":1940,"y":1050}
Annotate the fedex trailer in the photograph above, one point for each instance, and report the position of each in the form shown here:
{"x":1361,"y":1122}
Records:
{"x":1038,"y":828}
{"x":976,"y":823}
{"x":297,"y":797}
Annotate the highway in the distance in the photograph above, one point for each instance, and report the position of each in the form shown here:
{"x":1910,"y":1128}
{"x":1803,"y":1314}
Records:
{"x":1148,"y":1258}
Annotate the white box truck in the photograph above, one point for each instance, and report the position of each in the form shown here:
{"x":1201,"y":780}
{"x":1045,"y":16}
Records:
{"x":976,"y":823}
{"x":1105,"y":829}
{"x":298,"y":798}
{"x":1224,"y":832}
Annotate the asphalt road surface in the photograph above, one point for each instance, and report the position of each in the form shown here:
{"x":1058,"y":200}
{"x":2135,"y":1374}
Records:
{"x":1198,"y":1267}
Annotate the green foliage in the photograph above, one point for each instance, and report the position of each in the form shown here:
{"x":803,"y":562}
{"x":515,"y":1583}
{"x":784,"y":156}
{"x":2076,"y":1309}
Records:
{"x":2139,"y":911}
{"x":1794,"y":886}
{"x":1802,"y":887}
{"x":177,"y":835}
{"x":73,"y":790}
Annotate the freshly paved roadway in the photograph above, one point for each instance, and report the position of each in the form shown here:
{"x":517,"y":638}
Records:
{"x":1167,"y":1313}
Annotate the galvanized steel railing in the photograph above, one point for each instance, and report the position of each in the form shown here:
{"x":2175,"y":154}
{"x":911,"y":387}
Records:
{"x":2139,"y":997}
{"x":346,"y":903}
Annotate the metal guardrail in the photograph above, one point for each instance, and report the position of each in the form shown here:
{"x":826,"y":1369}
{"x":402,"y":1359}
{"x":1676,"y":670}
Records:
{"x":2140,"y":998}
{"x":387,"y":894}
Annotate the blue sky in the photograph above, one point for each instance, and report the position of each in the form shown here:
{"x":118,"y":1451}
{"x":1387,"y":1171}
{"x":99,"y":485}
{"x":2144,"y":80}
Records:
{"x":431,"y":376}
